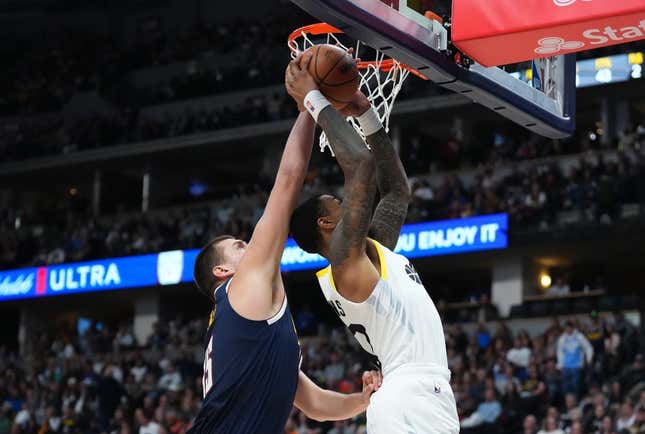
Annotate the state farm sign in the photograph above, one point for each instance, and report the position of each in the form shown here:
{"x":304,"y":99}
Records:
{"x":562,"y":3}
{"x":531,"y":29}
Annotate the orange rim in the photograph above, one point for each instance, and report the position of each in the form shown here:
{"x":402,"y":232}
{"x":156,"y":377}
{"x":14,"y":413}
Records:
{"x":323,"y":28}
{"x":432,"y":16}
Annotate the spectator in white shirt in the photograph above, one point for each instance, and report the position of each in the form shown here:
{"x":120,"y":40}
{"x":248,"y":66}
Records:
{"x":171,"y":380}
{"x":139,"y":370}
{"x":146,"y":424}
{"x":560,"y":287}
{"x":520,"y":354}
{"x":424,"y":191}
{"x":124,"y":339}
{"x":626,"y":417}
{"x":551,"y":426}
{"x":23,"y":416}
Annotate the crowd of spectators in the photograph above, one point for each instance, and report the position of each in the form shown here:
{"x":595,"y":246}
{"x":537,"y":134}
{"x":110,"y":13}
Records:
{"x":75,"y":238}
{"x":54,"y":134}
{"x":43,"y":77}
{"x":574,"y":377}
{"x":594,"y":190}
{"x":534,"y":194}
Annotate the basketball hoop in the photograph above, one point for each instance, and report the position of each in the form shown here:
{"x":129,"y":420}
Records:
{"x":381,"y":78}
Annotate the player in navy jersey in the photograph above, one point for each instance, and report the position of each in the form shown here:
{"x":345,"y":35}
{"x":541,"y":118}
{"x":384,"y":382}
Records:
{"x":251,"y":364}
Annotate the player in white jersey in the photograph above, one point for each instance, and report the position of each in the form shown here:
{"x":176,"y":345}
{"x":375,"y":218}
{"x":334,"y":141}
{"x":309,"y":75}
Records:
{"x":376,"y":292}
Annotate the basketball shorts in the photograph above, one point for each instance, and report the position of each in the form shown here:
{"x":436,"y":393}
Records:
{"x":413,"y":400}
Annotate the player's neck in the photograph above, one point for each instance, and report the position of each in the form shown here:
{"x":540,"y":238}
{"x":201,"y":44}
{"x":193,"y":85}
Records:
{"x":324,"y":253}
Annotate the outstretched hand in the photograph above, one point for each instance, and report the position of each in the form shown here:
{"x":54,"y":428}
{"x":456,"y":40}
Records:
{"x":372,"y":381}
{"x":297,"y":79}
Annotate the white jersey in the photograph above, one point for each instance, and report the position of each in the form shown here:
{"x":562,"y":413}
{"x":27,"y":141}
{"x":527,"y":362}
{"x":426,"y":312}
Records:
{"x":399,"y":324}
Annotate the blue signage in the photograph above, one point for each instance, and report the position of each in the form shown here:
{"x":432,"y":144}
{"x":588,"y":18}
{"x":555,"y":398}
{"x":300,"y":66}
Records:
{"x":169,"y":268}
{"x":448,"y":237}
{"x":445,"y":237}
{"x":73,"y":278}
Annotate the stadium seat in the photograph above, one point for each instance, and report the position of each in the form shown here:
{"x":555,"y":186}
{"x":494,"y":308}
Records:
{"x":609,"y":303}
{"x":560,"y":307}
{"x":518,"y":311}
{"x":539,"y":308}
{"x":584,"y":305}
{"x":630,"y":210}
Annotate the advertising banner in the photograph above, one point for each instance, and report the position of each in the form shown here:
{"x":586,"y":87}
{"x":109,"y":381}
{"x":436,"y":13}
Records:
{"x":173,"y":267}
{"x":501,"y":32}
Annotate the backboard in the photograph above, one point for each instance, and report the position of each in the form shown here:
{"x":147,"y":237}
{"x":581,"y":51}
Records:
{"x":399,"y":29}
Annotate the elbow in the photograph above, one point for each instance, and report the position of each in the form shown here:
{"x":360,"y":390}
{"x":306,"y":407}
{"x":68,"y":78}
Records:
{"x":401,"y":196}
{"x":405,"y":193}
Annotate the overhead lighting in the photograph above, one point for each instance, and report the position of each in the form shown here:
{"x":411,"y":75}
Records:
{"x":545,"y":280}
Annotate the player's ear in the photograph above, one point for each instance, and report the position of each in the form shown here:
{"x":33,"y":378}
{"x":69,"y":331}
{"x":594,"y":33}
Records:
{"x":222,"y":271}
{"x":326,"y":223}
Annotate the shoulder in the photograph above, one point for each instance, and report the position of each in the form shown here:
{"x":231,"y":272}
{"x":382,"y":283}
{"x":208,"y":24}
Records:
{"x":221,"y":291}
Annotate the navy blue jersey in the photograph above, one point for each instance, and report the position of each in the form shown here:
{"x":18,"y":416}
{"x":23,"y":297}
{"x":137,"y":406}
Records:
{"x":250,"y":372}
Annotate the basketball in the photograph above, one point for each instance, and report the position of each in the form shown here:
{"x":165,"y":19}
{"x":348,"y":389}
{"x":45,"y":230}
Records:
{"x":335,"y":73}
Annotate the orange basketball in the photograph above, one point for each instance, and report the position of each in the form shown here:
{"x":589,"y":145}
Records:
{"x":335,"y":72}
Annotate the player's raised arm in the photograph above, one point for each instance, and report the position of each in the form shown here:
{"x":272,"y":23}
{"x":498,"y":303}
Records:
{"x":356,"y":162}
{"x":392,"y":181}
{"x":260,"y":264}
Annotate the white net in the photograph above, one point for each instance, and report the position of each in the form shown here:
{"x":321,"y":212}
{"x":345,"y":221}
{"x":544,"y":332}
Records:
{"x":381,"y":79}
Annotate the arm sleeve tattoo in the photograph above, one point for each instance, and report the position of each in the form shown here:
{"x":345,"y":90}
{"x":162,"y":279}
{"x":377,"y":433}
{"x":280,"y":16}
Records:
{"x":392,"y":181}
{"x":357,"y":164}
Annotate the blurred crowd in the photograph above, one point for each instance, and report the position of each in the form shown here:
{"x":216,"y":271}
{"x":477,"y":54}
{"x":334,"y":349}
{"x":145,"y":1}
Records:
{"x":104,"y":381}
{"x":55,"y":134}
{"x":534,"y":194}
{"x":43,"y":77}
{"x":574,"y":377}
{"x":593,"y":189}
{"x":245,"y":53}
{"x":76,"y":238}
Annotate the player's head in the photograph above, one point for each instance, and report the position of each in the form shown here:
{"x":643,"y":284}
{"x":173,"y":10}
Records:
{"x":216,"y":262}
{"x":313,"y":222}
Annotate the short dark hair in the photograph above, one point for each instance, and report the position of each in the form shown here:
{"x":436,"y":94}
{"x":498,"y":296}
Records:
{"x":304,"y":224}
{"x":208,"y":257}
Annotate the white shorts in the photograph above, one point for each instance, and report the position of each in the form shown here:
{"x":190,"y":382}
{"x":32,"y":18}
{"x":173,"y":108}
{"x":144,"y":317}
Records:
{"x":413,"y":400}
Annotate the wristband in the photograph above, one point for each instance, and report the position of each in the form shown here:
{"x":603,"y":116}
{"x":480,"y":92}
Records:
{"x":315,"y":102}
{"x":369,"y":122}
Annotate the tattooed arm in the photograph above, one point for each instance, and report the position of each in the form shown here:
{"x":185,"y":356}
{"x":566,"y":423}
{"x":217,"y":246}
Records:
{"x":394,"y":189}
{"x":357,"y":164}
{"x":390,"y":176}
{"x":355,"y":275}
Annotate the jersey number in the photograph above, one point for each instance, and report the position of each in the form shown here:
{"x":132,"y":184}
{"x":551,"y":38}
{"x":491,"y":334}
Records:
{"x":207,"y":380}
{"x":357,"y":329}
